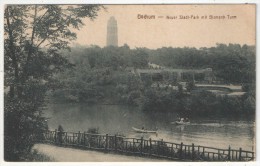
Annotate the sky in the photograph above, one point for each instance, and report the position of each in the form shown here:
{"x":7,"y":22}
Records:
{"x":162,"y":32}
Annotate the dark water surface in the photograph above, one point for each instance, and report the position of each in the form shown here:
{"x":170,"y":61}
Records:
{"x":114,"y":119}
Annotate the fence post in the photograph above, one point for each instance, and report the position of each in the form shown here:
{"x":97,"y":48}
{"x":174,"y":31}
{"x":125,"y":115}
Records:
{"x":66,"y":138}
{"x":115,"y":143}
{"x":55,"y":136}
{"x":45,"y":136}
{"x":150,"y":150}
{"x":240,"y":154}
{"x":50,"y":135}
{"x":158,"y":147}
{"x":133,"y":144}
{"x":193,"y":152}
{"x":203,"y":152}
{"x":162,"y":147}
{"x":79,"y":138}
{"x":141,"y":148}
{"x":172,"y":151}
{"x":84,"y":137}
{"x":181,"y":150}
{"x":99,"y":139}
{"x":185,"y":150}
{"x":229,"y":149}
{"x":72,"y":138}
{"x":106,"y":142}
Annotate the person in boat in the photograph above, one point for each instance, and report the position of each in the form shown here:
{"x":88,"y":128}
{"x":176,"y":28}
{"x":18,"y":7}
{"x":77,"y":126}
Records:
{"x":186,"y":119}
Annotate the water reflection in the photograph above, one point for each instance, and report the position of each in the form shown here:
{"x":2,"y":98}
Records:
{"x":114,"y":119}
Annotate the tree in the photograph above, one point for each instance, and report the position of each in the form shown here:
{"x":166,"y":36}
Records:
{"x":34,"y":36}
{"x":29,"y":28}
{"x":139,"y":58}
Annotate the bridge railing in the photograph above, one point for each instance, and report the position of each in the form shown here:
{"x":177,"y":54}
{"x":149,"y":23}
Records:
{"x":143,"y":147}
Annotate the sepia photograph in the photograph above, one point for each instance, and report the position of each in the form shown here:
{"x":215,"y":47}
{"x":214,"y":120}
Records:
{"x":129,"y":83}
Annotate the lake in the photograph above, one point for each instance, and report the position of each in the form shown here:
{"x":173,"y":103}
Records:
{"x":118,"y":119}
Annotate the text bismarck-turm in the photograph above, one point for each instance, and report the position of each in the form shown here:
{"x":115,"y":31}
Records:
{"x":186,"y":17}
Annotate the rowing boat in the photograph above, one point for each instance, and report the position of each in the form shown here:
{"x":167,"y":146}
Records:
{"x":143,"y":130}
{"x":180,"y":123}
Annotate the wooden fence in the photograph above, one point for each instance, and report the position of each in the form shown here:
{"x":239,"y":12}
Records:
{"x":143,"y":147}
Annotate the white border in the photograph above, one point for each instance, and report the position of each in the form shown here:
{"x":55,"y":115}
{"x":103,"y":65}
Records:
{"x":3,"y":163}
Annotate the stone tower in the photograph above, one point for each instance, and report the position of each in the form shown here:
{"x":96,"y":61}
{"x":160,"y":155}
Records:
{"x":112,"y":39}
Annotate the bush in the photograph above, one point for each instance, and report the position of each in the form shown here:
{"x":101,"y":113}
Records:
{"x":22,"y":124}
{"x":36,"y":156}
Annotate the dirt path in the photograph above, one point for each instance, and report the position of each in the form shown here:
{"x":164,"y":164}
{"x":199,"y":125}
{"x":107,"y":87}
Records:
{"x":77,"y":155}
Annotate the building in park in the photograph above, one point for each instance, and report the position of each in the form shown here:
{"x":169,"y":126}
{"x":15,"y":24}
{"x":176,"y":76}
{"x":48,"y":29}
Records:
{"x":112,"y":38}
{"x":204,"y":80}
{"x":179,"y":75}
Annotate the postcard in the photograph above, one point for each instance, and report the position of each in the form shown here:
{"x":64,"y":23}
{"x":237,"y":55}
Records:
{"x":130,"y":83}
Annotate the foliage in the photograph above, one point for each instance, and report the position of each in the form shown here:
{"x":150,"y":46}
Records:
{"x":34,"y":34}
{"x":23,"y":121}
{"x":93,"y":130}
{"x":197,"y":104}
{"x":107,"y":75}
{"x":231,"y":63}
{"x":102,"y":75}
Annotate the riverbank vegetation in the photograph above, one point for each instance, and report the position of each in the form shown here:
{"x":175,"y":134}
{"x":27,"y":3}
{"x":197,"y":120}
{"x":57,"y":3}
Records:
{"x":108,"y":76}
{"x":202,"y":103}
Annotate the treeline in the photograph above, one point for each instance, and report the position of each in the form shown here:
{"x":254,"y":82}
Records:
{"x":231,"y":63}
{"x":101,"y":75}
{"x":115,"y":58}
{"x":106,"y":75}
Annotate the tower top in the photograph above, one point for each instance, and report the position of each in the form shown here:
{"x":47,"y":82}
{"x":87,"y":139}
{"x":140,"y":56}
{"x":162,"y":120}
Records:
{"x":112,"y":18}
{"x":112,"y":21}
